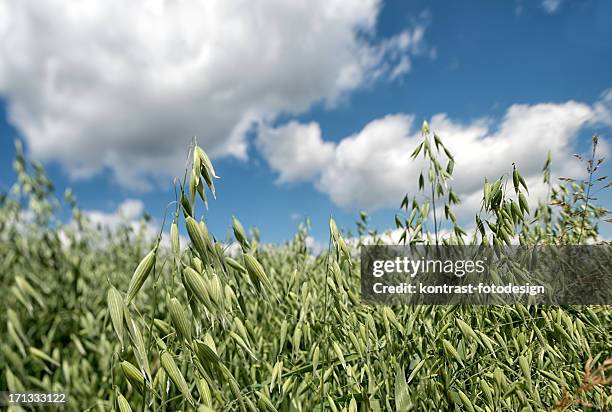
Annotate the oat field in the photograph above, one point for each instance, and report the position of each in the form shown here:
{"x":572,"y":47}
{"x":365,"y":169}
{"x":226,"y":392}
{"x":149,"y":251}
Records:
{"x":121,"y":320}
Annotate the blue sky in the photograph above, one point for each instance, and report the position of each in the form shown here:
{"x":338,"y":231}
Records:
{"x":306,"y":109}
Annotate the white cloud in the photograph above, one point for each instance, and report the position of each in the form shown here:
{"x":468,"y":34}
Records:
{"x":372,"y":169}
{"x":295,"y":150}
{"x":372,"y":166}
{"x":551,"y":6}
{"x":603,"y":109}
{"x":128,"y":212}
{"x":125,"y":85}
{"x":314,"y":245}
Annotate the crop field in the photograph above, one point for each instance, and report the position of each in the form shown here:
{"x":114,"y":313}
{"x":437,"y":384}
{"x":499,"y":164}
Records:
{"x":121,"y":320}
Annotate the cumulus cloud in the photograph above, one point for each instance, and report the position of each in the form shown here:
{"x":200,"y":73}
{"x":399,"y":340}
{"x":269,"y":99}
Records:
{"x":314,"y":245}
{"x":124,"y":86}
{"x":372,"y":166}
{"x":372,"y":169}
{"x":295,"y":150}
{"x":128,"y":212}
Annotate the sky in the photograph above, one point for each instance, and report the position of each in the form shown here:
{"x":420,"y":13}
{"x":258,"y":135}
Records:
{"x":307,"y":108}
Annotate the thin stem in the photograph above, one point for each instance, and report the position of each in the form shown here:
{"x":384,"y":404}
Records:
{"x":329,"y":252}
{"x":588,"y":196}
